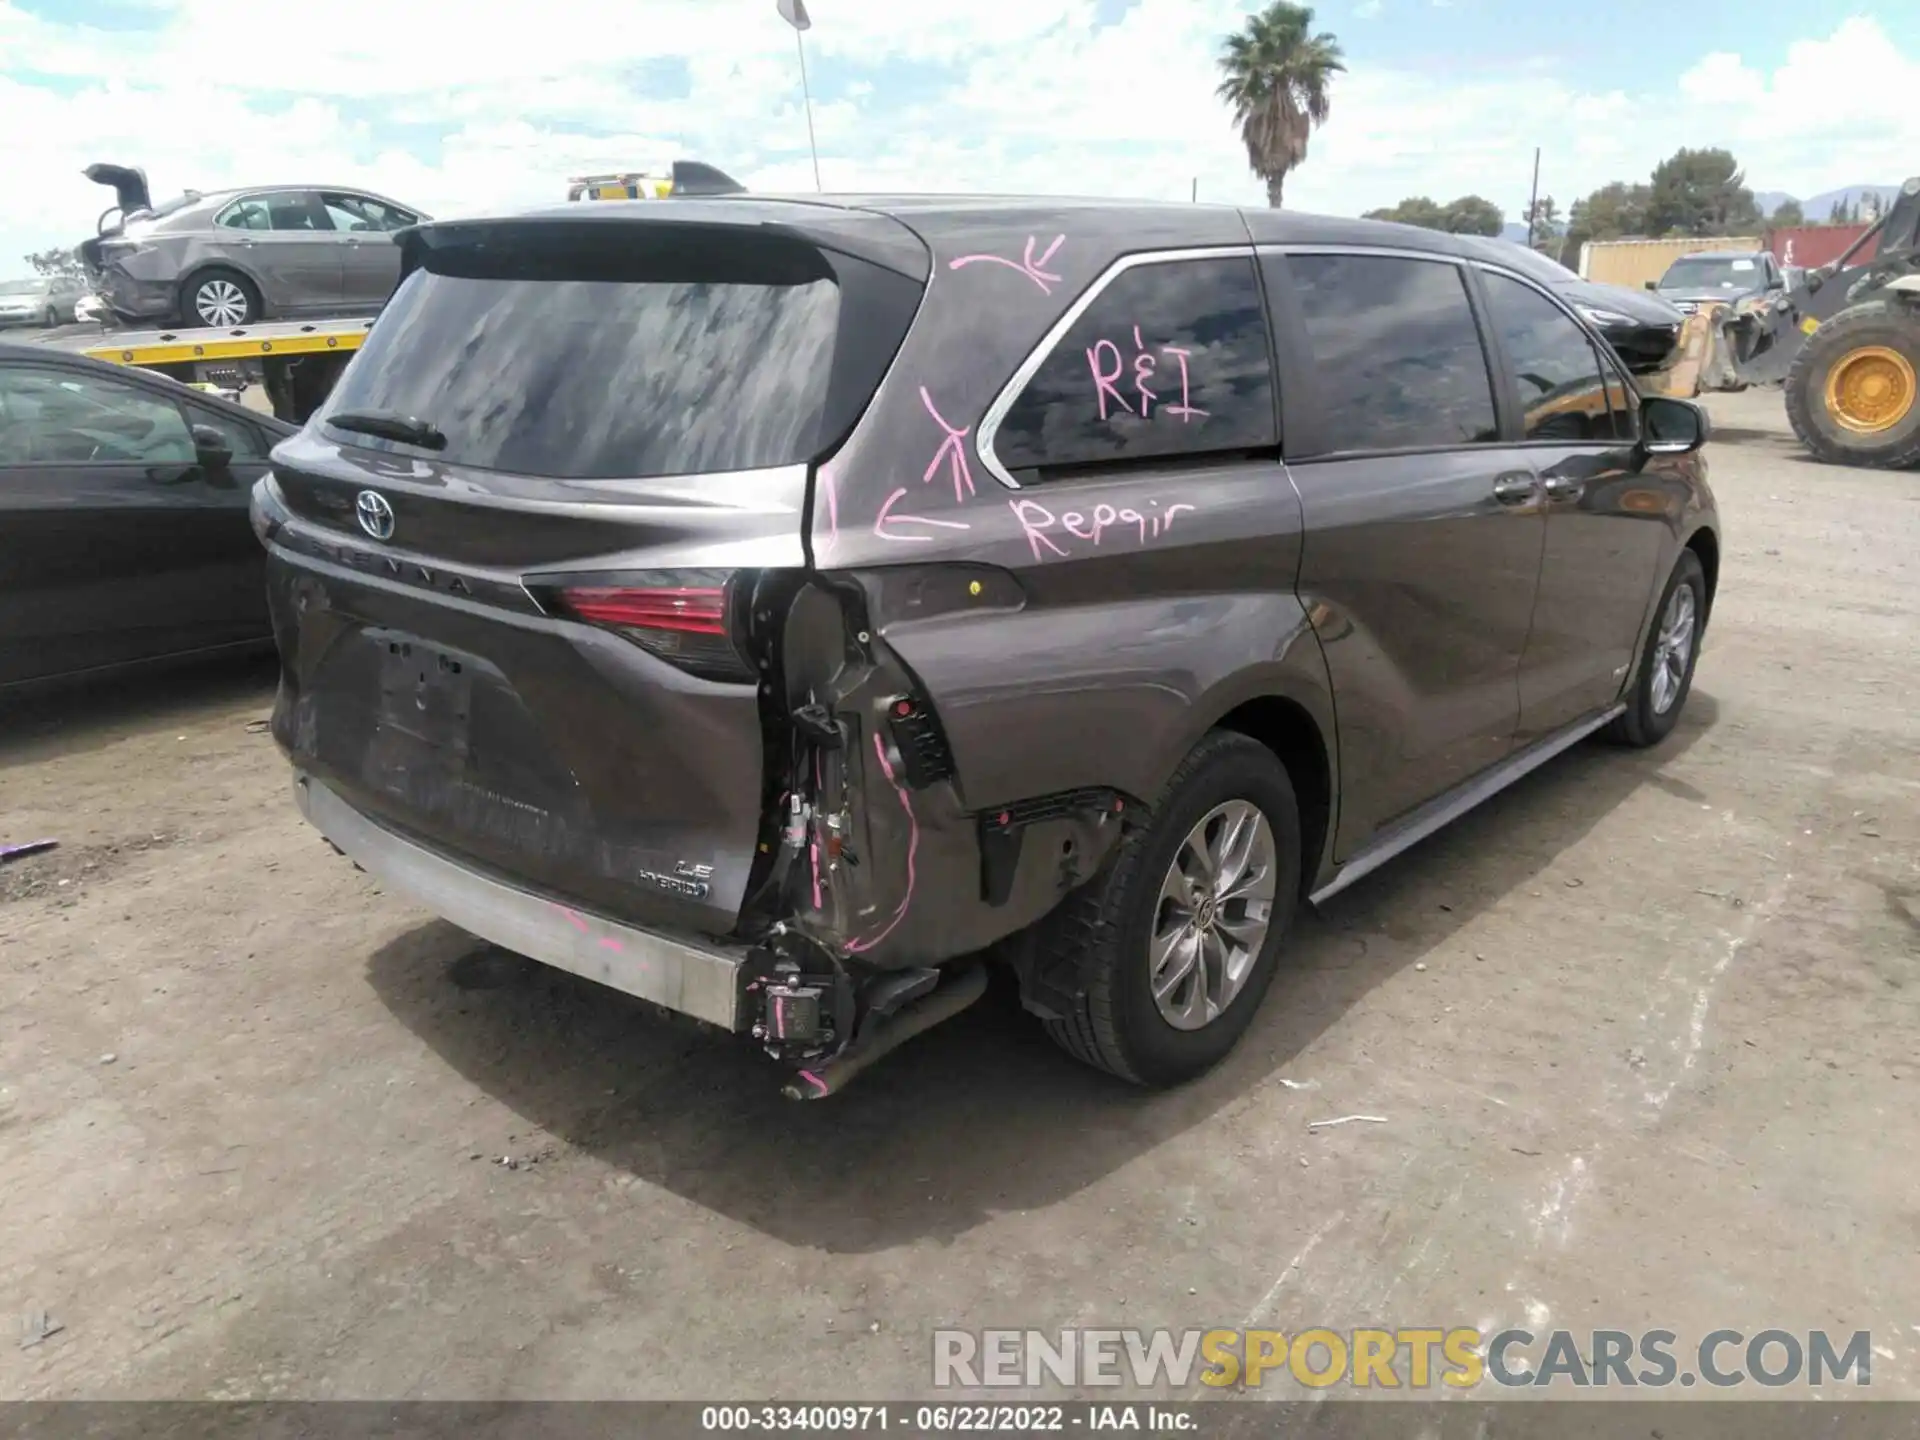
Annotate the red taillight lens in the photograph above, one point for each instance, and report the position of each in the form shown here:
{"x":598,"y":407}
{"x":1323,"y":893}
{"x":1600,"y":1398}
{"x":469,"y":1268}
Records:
{"x":688,"y":609}
{"x":691,"y":627}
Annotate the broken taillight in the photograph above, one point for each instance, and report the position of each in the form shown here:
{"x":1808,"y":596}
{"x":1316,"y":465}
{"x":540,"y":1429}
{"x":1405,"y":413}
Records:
{"x":691,"y":625}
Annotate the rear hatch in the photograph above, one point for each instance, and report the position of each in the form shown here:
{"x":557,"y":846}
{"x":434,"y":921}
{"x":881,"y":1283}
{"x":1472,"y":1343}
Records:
{"x":527,"y":556}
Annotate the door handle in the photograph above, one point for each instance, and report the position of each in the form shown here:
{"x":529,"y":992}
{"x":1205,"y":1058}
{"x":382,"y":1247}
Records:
{"x":1560,"y":487}
{"x":1516,"y":487}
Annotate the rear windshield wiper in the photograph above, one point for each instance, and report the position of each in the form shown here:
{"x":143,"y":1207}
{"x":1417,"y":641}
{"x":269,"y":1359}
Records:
{"x":408,"y":429}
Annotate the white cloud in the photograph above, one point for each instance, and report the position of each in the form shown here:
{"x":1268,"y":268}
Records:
{"x":461,"y":106}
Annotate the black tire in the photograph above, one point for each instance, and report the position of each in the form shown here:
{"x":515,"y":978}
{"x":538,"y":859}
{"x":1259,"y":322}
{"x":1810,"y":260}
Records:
{"x":1107,"y":923}
{"x":1891,"y":324}
{"x":50,"y":319}
{"x":1644,"y":723}
{"x":193,"y":294}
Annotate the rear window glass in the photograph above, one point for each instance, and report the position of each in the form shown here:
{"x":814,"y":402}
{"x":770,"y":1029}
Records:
{"x":605,"y":365}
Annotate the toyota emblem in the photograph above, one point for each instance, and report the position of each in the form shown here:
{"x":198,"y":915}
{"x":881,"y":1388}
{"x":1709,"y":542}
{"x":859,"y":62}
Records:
{"x":375,"y":514}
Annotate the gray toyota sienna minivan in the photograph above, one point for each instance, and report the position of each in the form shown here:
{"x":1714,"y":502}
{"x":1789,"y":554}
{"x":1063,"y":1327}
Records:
{"x":768,"y":607}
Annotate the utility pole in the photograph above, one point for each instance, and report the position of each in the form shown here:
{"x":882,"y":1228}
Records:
{"x":1533,"y":196}
{"x":1196,"y":190}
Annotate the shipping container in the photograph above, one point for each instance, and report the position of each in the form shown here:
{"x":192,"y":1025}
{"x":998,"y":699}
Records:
{"x":1811,"y":245}
{"x":1634,"y":262}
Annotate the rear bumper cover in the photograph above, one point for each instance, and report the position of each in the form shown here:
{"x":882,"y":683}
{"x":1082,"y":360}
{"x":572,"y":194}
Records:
{"x":696,"y":979}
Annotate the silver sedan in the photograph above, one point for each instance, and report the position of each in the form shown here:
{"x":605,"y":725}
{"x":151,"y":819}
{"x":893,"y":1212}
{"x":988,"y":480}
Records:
{"x":234,"y":257}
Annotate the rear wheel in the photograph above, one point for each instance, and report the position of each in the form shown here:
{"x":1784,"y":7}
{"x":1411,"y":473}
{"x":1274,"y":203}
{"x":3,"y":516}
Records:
{"x":222,"y":298}
{"x":1180,"y":933}
{"x":1853,"y":392}
{"x":1665,"y":677}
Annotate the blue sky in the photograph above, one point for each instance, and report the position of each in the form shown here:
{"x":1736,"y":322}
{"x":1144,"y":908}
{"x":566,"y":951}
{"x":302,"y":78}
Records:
{"x":1654,"y":42}
{"x":465,"y":104}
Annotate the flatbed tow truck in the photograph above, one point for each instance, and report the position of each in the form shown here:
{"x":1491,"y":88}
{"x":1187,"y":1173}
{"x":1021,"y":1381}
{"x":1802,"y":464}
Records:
{"x":294,"y":362}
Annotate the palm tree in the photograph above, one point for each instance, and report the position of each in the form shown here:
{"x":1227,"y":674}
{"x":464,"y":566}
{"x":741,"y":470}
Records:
{"x":1276,"y":80}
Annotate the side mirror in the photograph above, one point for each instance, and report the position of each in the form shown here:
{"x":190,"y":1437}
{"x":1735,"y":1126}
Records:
{"x":211,"y":448}
{"x":1672,"y":427}
{"x":1653,"y":284}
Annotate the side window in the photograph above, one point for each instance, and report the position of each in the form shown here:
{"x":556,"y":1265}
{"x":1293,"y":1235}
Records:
{"x":1397,"y":355}
{"x":1561,"y":394}
{"x":297,"y":210}
{"x":243,"y":439}
{"x":1169,"y":360}
{"x":247,"y":213}
{"x":362,"y":212}
{"x":56,"y":417}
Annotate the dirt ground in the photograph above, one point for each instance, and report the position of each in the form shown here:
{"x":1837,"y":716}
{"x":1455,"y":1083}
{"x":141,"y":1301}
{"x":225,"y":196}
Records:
{"x":1643,"y":1032}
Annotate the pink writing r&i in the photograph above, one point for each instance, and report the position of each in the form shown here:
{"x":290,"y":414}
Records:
{"x":1105,"y":380}
{"x":1185,"y":409}
{"x":1103,"y":385}
{"x":1044,"y":530}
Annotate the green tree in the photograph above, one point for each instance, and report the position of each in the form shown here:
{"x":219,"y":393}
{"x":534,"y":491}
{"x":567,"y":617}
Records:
{"x":1700,"y":192}
{"x":1415,"y":210}
{"x":1276,"y":73}
{"x":1609,"y":213}
{"x":1469,"y":215}
{"x":1543,"y":225}
{"x":54,"y":262}
{"x":1788,"y":213}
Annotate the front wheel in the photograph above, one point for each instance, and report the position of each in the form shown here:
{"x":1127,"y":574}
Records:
{"x":1179,"y":935}
{"x":1665,"y":677}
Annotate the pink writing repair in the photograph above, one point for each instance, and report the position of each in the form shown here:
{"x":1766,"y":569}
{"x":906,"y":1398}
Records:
{"x":1027,"y":266}
{"x":1037,"y":524}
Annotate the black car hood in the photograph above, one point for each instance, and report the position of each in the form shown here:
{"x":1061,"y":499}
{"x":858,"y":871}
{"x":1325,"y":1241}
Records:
{"x":1641,"y":306}
{"x":1707,"y":297}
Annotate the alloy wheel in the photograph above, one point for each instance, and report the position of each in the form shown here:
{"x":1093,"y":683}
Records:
{"x":1672,"y":648}
{"x":220,"y":302}
{"x":1213,"y":913}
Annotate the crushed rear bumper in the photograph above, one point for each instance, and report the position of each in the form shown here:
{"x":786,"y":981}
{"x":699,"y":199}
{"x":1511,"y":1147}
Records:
{"x":698,"y":979}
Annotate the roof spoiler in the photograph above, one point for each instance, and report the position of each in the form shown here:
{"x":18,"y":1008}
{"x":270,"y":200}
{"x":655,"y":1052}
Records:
{"x":129,"y":186}
{"x":691,"y":177}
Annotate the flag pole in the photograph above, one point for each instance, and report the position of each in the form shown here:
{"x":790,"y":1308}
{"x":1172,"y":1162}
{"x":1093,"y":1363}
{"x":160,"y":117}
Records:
{"x":806,"y":97}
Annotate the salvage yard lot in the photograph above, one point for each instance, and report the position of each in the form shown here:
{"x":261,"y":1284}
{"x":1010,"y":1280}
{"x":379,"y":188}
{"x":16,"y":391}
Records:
{"x":1644,"y":1030}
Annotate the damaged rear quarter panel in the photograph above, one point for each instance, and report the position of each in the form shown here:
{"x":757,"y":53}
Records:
{"x":1133,"y":610}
